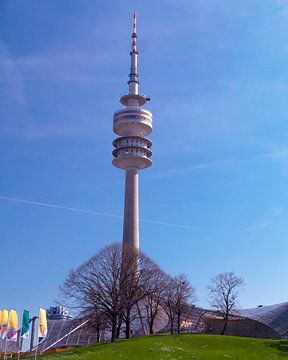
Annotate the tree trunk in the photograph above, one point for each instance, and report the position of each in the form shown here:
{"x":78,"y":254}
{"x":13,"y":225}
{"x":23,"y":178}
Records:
{"x":114,"y":328}
{"x":98,"y":333}
{"x":171,"y":326}
{"x":119,"y":327}
{"x":127,"y":323}
{"x":225,"y":326}
{"x":178,"y":323}
{"x":151,"y":332}
{"x":151,"y":323}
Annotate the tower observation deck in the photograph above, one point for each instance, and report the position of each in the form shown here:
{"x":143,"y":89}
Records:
{"x":132,"y":149}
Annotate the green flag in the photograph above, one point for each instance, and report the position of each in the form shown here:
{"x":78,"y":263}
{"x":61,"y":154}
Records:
{"x":25,"y":325}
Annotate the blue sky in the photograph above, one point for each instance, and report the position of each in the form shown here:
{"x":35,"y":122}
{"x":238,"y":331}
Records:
{"x":216,"y":72}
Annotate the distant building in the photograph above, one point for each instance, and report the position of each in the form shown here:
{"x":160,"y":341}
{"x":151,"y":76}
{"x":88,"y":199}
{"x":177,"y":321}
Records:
{"x":58,"y":313}
{"x":265,"y":322}
{"x":64,"y":331}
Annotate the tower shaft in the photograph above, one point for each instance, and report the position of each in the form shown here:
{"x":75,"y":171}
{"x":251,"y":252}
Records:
{"x":131,"y":212}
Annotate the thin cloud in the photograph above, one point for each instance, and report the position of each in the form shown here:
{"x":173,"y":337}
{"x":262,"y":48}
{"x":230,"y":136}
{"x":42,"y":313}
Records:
{"x":268,"y":222}
{"x":280,"y":155}
{"x":255,"y":229}
{"x":66,"y":66}
{"x":277,"y":155}
{"x":87,"y":211}
{"x":282,"y":6}
{"x":93,"y":212}
{"x":11,"y":76}
{"x":64,"y":58}
{"x":195,"y":168}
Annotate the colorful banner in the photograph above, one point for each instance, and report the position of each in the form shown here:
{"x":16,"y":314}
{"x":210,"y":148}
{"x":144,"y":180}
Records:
{"x":12,"y":331}
{"x":42,"y":328}
{"x":5,"y":318}
{"x":25,"y":324}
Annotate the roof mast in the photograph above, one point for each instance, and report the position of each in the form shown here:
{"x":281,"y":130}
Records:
{"x":133,"y":76}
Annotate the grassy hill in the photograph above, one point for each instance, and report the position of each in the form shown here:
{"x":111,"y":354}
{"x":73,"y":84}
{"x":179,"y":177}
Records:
{"x":192,"y":347}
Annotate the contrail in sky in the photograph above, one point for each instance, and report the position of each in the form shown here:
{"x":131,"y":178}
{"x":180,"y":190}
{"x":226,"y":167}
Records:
{"x":87,"y":211}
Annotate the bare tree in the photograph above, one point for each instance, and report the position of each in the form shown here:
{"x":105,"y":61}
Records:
{"x":223,"y":294}
{"x":178,"y":295}
{"x":185,"y":296}
{"x":97,"y":284}
{"x":98,"y":320}
{"x":168,"y":302}
{"x":155,"y":290}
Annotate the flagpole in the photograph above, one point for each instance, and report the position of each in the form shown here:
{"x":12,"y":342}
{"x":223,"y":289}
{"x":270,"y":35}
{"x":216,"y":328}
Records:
{"x":36,"y":349}
{"x":20,"y":345}
{"x":20,"y":337}
{"x":1,"y":328}
{"x":5,"y":349}
{"x":1,"y":331}
{"x":33,"y":320}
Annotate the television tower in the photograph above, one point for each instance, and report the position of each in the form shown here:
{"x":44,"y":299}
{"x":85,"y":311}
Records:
{"x":132,"y":151}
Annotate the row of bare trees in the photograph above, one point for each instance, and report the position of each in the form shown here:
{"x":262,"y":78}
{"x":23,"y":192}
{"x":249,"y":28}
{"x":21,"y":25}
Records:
{"x":114,"y":290}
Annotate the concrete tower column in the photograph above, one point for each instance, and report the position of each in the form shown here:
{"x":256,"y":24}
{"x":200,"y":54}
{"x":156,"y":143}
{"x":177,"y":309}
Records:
{"x":131,"y":212}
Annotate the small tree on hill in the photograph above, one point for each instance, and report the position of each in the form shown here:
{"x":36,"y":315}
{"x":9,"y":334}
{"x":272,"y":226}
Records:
{"x":185,"y":296}
{"x":155,"y":290}
{"x":223,"y":294}
{"x":178,"y":295}
{"x":168,"y":302}
{"x":98,"y":320}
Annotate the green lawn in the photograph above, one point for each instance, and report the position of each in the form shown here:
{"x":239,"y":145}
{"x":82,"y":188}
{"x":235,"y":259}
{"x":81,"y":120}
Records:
{"x":193,"y":347}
